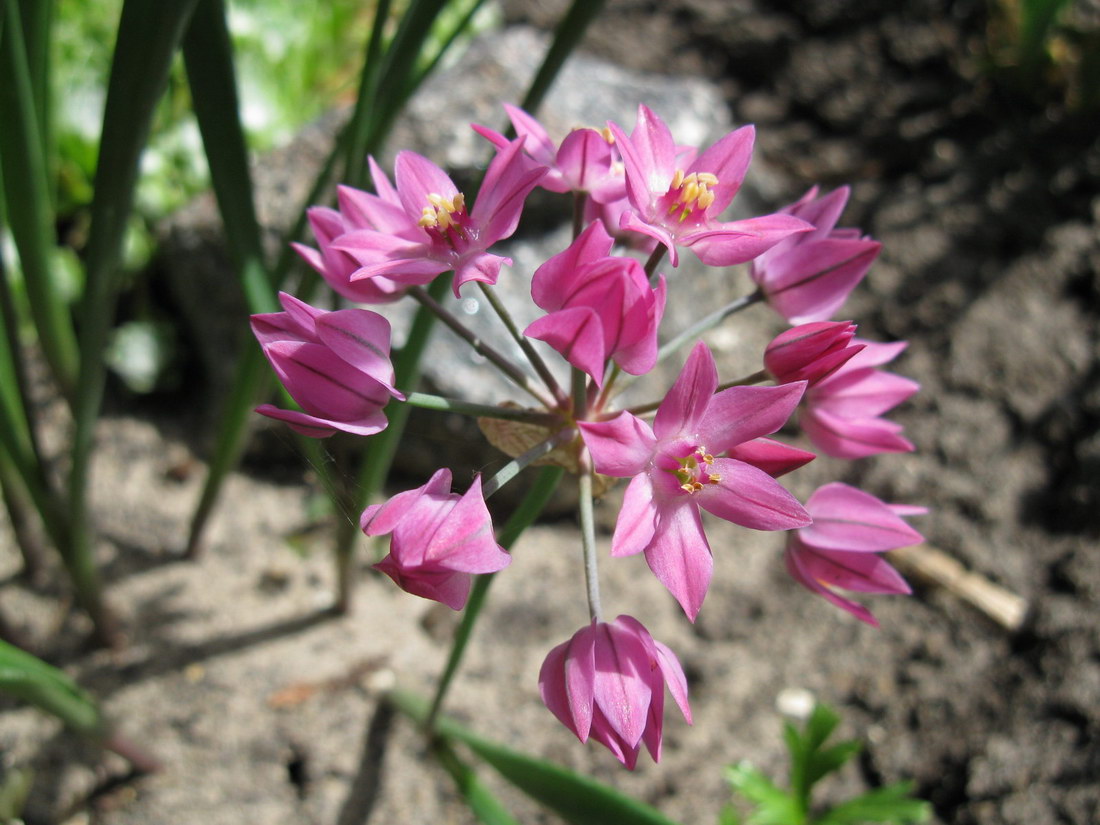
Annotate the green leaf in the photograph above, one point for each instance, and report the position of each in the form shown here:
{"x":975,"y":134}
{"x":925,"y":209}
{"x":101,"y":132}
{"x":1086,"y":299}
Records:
{"x":26,"y":191}
{"x":575,"y":798}
{"x":29,"y":678}
{"x":480,"y":800}
{"x":819,"y":727}
{"x":774,"y":805}
{"x":892,"y":804}
{"x":823,"y":762}
{"x":729,"y":816}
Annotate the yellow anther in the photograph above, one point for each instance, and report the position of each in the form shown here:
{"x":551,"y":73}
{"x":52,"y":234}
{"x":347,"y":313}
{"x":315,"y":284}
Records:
{"x":706,"y":178}
{"x":690,"y":191}
{"x":428,"y":218}
{"x":458,"y":202}
{"x":444,"y":220}
{"x":677,"y":179}
{"x":706,"y":198}
{"x":438,"y":201}
{"x":697,"y":486}
{"x":714,"y":478}
{"x":607,"y":135}
{"x":688,"y":488}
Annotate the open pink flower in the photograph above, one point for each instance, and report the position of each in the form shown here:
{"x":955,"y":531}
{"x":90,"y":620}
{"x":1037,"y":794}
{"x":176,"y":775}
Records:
{"x":600,"y":307}
{"x":337,"y":266}
{"x":422,"y":228}
{"x":841,"y":548}
{"x":807,"y":277}
{"x":678,"y":468}
{"x":608,"y":683}
{"x":679,"y":207}
{"x":841,"y":412}
{"x":583,"y":162}
{"x":439,"y":539}
{"x":810,"y":352}
{"x":336,"y":365}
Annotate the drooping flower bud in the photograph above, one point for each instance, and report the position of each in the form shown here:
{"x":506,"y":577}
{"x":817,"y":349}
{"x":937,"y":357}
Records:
{"x":809,"y":352}
{"x":608,"y":683}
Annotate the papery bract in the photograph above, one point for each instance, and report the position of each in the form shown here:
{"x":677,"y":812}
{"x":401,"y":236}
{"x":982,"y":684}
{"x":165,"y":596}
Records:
{"x":678,"y":206}
{"x":608,"y":683}
{"x":439,"y":539}
{"x":600,"y":307}
{"x":841,"y":548}
{"x":422,"y":228}
{"x":809,"y":352}
{"x":583,"y":162}
{"x":807,"y":277}
{"x":841,"y":412}
{"x":336,"y":365}
{"x":678,"y":468}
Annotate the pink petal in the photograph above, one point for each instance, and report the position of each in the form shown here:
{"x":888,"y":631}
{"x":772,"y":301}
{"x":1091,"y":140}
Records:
{"x":631,"y":223}
{"x":585,"y":161}
{"x":740,"y":414}
{"x":303,"y":423}
{"x":680,"y":556}
{"x":849,"y":519}
{"x":858,"y":572}
{"x":557,"y":277}
{"x":509,"y":179}
{"x":535,"y":140}
{"x":362,"y":338}
{"x":637,"y":521}
{"x":417,"y":177}
{"x":622,"y":446}
{"x":443,"y":586}
{"x":649,"y":155}
{"x":853,"y":437}
{"x":812,"y":280}
{"x":798,"y":571}
{"x":751,"y":498}
{"x":773,"y":457}
{"x":728,"y":160}
{"x":686,"y":403}
{"x":464,"y":540}
{"x":578,"y":335}
{"x":736,"y":242}
{"x":620,"y":693}
{"x":323,"y":384}
{"x":380,"y":519}
{"x":822,"y":212}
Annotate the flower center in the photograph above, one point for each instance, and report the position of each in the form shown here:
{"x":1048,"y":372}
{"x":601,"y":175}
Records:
{"x":695,"y":471}
{"x":445,"y":219}
{"x":688,"y":193}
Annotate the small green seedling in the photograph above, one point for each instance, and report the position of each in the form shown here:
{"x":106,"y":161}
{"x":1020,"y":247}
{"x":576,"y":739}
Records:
{"x":811,"y":761}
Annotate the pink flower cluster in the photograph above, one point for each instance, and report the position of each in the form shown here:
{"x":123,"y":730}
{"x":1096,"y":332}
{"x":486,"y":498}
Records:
{"x":706,"y":448}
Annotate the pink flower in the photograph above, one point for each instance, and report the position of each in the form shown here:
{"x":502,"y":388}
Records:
{"x":841,"y":412}
{"x":600,"y":307}
{"x":422,"y":228}
{"x":810,"y":352}
{"x":841,"y":547}
{"x":336,"y":365}
{"x":807,"y":277}
{"x":337,"y":266}
{"x":678,"y":468}
{"x":678,"y":207}
{"x":584,"y":162}
{"x":608,"y":683}
{"x":439,"y":539}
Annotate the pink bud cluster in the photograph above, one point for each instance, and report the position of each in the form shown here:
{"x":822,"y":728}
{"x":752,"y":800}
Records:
{"x":707,"y":447}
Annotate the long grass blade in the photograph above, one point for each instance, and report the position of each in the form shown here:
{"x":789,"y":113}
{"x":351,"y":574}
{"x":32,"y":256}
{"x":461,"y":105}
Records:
{"x":566,"y":37}
{"x":148,"y":34}
{"x":27,"y":194}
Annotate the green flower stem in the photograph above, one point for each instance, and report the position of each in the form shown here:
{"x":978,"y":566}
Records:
{"x":516,"y":465}
{"x":452,"y":36}
{"x":524,"y":344}
{"x":436,"y":402}
{"x":478,"y":798}
{"x":708,"y":322}
{"x":381,"y":449}
{"x":19,"y":514}
{"x":758,"y":377}
{"x":608,"y":384}
{"x":518,"y":377}
{"x":588,"y":540}
{"x":523,"y":516}
{"x":653,"y":261}
{"x":566,"y":37}
{"x":580,"y":199}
